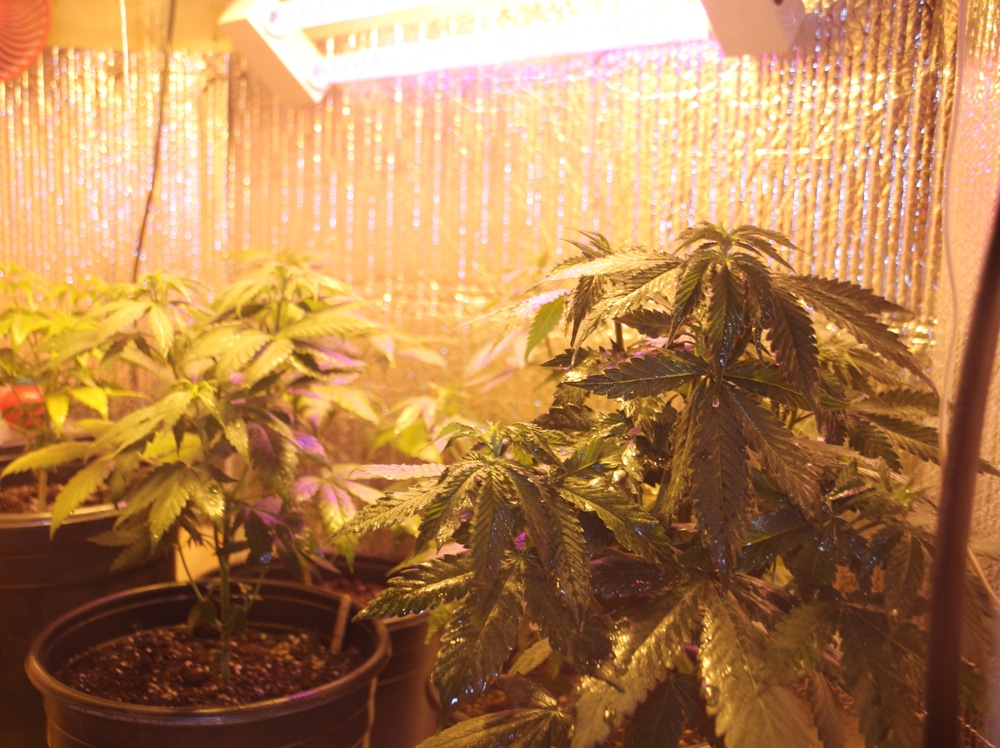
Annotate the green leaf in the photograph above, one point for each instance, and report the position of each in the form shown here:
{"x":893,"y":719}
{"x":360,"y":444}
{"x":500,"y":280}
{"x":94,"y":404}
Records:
{"x":691,"y":287}
{"x":645,"y":377}
{"x":545,"y":727}
{"x":727,"y":316}
{"x":578,"y":635}
{"x":145,"y":423}
{"x":556,"y":535}
{"x":400,"y":472}
{"x":801,"y":639}
{"x":476,"y":643}
{"x":48,"y":457}
{"x":95,"y":398}
{"x":658,"y":722}
{"x":905,"y":573}
{"x":781,"y":454}
{"x":761,"y":240}
{"x":545,"y":322}
{"x":720,"y":475}
{"x":828,"y":713}
{"x":268,"y":360}
{"x":793,"y":341}
{"x":492,"y":528}
{"x":235,"y":429}
{"x":239,"y":348}
{"x":425,"y":587}
{"x":636,"y":529}
{"x":57,"y":406}
{"x":171,"y":501}
{"x":750,"y":707}
{"x":163,"y":480}
{"x":645,"y":646}
{"x":329,"y":321}
{"x":876,"y":675}
{"x":79,"y":489}
{"x":162,"y":328}
{"x":852,"y":308}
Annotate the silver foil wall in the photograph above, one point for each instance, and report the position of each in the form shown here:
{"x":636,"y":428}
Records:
{"x":436,"y":194}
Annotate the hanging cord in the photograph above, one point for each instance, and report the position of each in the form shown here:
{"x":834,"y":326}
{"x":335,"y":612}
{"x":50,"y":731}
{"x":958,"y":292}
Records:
{"x":164,"y":83}
{"x":958,"y":486}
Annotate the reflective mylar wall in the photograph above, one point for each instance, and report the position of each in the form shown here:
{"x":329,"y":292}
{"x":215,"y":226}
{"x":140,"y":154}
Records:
{"x":435,"y":194}
{"x":970,"y":199}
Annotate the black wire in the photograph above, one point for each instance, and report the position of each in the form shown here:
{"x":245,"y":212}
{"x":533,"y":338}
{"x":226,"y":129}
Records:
{"x":164,"y":84}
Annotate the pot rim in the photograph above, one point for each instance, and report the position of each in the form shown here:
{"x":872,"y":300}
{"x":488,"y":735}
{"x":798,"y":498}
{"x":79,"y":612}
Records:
{"x":16,"y":520}
{"x":51,"y":688}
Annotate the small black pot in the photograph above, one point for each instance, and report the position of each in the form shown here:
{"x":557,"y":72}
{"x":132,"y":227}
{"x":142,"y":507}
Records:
{"x":41,"y":578}
{"x":336,"y":715}
{"x":402,"y":686}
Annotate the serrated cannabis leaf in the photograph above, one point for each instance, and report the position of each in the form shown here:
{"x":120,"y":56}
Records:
{"x":750,"y":707}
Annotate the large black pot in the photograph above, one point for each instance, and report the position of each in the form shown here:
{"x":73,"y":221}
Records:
{"x":41,"y":578}
{"x":335,"y":715}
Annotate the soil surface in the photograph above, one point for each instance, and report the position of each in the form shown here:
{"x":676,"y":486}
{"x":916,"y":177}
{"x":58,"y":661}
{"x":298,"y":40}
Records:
{"x":361,"y":591}
{"x":172,"y":667}
{"x":16,"y":499}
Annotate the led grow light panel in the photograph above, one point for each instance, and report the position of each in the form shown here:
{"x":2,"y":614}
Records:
{"x":279,"y":38}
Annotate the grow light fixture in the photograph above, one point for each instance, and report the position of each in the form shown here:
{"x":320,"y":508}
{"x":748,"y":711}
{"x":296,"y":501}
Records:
{"x":279,"y":38}
{"x":282,"y":39}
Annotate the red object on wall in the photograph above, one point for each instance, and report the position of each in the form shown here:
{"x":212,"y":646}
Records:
{"x":24,"y":27}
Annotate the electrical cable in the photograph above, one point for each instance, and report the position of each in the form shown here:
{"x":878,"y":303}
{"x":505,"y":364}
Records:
{"x":164,"y":84}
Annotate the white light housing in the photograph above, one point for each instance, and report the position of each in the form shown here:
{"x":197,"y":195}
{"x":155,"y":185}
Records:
{"x":755,"y":27}
{"x":271,"y":34}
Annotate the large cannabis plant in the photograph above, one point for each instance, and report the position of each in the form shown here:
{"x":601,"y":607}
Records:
{"x":237,"y":388}
{"x":715,"y":524}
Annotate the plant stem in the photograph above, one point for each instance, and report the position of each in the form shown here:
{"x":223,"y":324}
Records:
{"x":43,"y":490}
{"x":225,"y":600}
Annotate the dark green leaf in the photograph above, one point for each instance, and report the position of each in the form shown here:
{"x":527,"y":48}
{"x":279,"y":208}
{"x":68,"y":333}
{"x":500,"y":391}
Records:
{"x":876,"y":676}
{"x":475,"y":644}
{"x":720,"y":475}
{"x":636,"y":529}
{"x":645,"y":377}
{"x":793,"y":341}
{"x":646,"y":645}
{"x":434,"y":583}
{"x":853,"y":308}
{"x":780,"y":452}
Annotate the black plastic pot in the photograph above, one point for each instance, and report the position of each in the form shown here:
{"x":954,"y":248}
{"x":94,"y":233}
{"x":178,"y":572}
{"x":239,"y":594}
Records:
{"x":404,"y":716}
{"x":41,"y":578}
{"x":335,"y":715}
{"x":402,"y":687}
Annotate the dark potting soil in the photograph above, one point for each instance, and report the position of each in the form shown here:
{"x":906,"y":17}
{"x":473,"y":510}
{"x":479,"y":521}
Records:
{"x":23,"y":498}
{"x":170,"y":666}
{"x":361,"y":591}
{"x":19,"y":499}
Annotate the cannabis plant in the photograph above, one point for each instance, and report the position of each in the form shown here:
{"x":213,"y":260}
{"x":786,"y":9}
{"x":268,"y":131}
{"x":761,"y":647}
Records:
{"x":718,"y":522}
{"x":56,"y":364}
{"x":237,"y":386}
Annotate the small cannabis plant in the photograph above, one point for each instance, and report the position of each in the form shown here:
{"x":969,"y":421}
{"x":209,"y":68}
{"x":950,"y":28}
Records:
{"x":717,"y":522}
{"x":237,"y":386}
{"x":55,"y":364}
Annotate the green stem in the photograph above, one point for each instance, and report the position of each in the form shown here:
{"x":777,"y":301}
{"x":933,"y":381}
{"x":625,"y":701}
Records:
{"x":43,"y":490}
{"x":225,"y":601}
